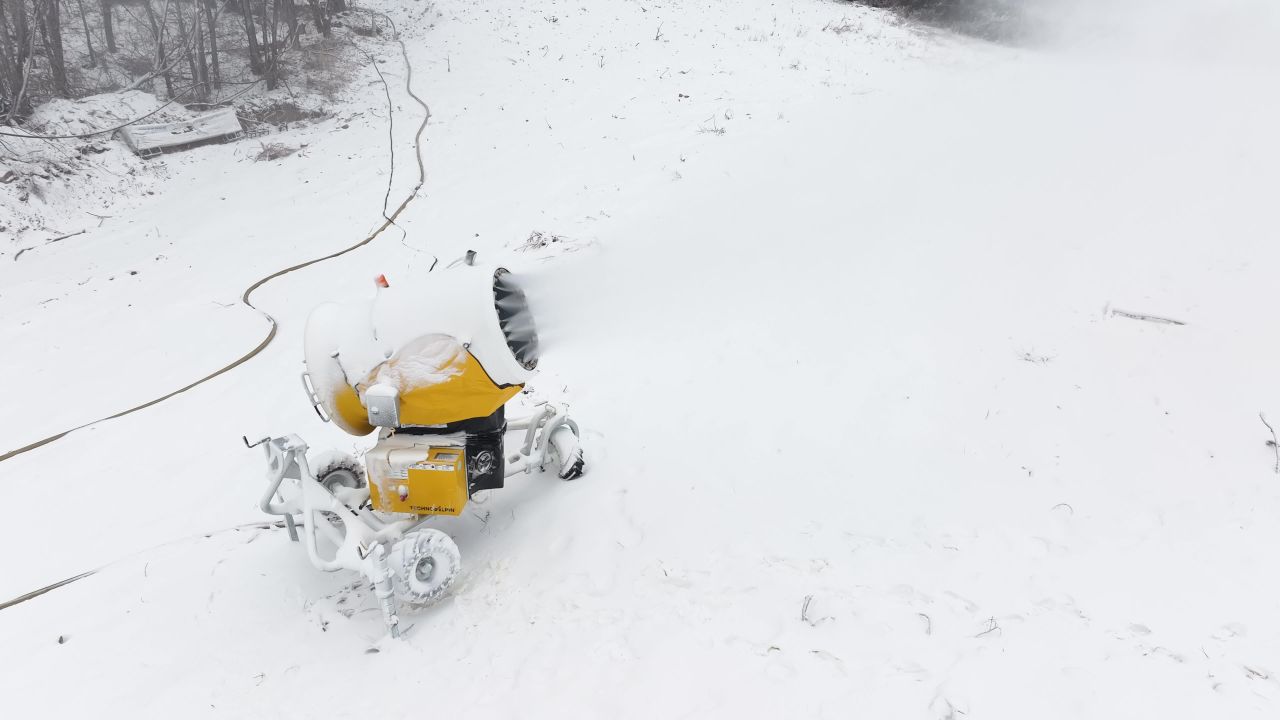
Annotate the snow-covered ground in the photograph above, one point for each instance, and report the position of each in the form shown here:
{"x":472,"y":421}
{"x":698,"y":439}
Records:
{"x":867,"y":436}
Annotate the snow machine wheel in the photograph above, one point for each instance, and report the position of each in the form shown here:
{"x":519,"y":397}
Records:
{"x":567,"y":451}
{"x":337,"y":469}
{"x":423,"y":565}
{"x":334,"y":469}
{"x":574,"y":468}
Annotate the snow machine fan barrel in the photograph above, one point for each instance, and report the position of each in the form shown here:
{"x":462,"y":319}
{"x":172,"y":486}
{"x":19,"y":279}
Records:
{"x":443,"y":347}
{"x":515,"y":319}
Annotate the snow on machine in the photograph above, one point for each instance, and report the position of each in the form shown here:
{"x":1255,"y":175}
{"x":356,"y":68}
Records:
{"x":430,"y":367}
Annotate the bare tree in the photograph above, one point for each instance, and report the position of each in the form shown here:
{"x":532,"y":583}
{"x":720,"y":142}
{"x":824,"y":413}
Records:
{"x":212,"y":24}
{"x":179,"y":38}
{"x":10,"y":69}
{"x":291,"y":22}
{"x":197,"y":44}
{"x":88,"y":39}
{"x":318,"y":14}
{"x":108,"y":24}
{"x":187,"y":50}
{"x":17,"y":51}
{"x":47,"y":11}
{"x":17,"y":58}
{"x":271,"y":43}
{"x":250,"y":29}
{"x":157,"y":33}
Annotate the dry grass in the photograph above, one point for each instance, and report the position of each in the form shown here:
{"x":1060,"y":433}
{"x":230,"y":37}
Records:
{"x":274,"y":151}
{"x":842,"y":26}
{"x":280,"y":113}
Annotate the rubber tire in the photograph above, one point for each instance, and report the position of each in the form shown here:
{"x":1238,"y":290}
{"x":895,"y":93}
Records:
{"x":334,"y":468}
{"x":406,"y":558}
{"x":573,"y":467}
{"x":575,"y":470}
{"x":338,"y":468}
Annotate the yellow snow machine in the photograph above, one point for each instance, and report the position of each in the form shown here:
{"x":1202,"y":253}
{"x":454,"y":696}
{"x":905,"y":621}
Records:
{"x":429,"y":366}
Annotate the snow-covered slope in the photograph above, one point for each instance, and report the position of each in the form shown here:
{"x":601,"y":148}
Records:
{"x":867,"y":433}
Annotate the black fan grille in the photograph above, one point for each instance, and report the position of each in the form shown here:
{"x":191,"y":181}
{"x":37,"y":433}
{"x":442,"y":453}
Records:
{"x":515,"y":319}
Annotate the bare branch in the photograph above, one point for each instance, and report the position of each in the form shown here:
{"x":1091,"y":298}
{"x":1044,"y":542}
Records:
{"x":1147,"y":318}
{"x":1273,"y":443}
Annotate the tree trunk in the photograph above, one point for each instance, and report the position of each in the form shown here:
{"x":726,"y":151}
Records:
{"x":291,"y":22}
{"x":88,"y":39}
{"x":271,"y":54}
{"x":212,"y":24}
{"x":266,"y":42}
{"x":108,"y":25}
{"x":157,"y":32}
{"x":202,"y":66}
{"x":21,"y":31}
{"x":255,"y":56}
{"x":8,"y":93}
{"x":20,"y":55}
{"x":189,"y":51}
{"x":22,"y":104}
{"x":51,"y":33}
{"x":317,"y":13}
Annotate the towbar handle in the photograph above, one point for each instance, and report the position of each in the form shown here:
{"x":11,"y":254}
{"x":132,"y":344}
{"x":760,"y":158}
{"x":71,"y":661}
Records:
{"x":282,"y":457}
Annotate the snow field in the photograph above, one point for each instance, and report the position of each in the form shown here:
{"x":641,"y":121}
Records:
{"x":865,"y":436}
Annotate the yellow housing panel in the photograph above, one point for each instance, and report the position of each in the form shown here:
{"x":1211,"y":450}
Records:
{"x":434,"y":486}
{"x":354,"y":416}
{"x":465,"y":395}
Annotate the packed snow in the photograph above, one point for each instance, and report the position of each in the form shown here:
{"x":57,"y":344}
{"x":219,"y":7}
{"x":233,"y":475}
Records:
{"x":861,"y":320}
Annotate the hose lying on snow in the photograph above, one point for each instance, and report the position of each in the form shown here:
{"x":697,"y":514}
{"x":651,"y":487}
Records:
{"x":263,"y":525}
{"x":389,"y":220}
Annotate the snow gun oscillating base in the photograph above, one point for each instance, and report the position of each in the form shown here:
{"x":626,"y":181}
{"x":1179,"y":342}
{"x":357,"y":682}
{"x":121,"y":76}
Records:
{"x":345,"y":526}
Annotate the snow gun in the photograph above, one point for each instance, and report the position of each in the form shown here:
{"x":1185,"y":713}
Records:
{"x":430,"y":367}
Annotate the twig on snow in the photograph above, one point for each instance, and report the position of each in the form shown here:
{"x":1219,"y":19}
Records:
{"x":992,"y":626}
{"x":1147,"y":318}
{"x":64,"y":237}
{"x":1273,"y":443}
{"x":804,"y":613}
{"x":714,"y":129}
{"x":928,"y":623}
{"x":51,"y":241}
